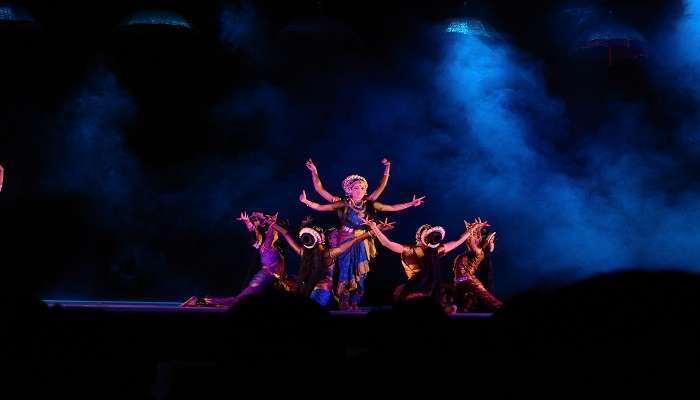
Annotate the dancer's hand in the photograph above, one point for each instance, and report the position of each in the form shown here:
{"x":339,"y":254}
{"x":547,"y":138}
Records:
{"x":311,"y":166}
{"x":477,"y":222}
{"x":244,"y":217}
{"x":302,"y":197}
{"x":386,"y":225}
{"x":386,"y":162}
{"x":417,"y":201}
{"x":481,"y":223}
{"x":368,"y":222}
{"x":475,"y":227}
{"x":490,"y":242}
{"x":382,"y":225}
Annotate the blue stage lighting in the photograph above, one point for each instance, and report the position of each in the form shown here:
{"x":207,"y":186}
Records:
{"x":157,"y":18}
{"x":472,"y":27}
{"x":12,"y":13}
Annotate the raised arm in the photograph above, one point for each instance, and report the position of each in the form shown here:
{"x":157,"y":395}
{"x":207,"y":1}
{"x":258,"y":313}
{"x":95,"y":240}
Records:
{"x":318,"y":186}
{"x":398,"y":207}
{"x":470,"y":230}
{"x":256,"y":236}
{"x":245,"y":218}
{"x":319,"y":207}
{"x":2,"y":175}
{"x":292,"y":243}
{"x":382,"y":182}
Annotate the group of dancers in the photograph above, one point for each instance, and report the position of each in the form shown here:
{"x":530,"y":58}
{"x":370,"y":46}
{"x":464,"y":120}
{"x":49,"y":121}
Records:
{"x":335,"y":262}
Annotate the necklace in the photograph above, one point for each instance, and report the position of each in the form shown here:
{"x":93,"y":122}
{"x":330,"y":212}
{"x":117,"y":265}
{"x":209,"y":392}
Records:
{"x":355,"y":206}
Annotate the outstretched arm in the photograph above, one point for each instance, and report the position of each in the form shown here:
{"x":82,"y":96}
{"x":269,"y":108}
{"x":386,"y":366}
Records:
{"x":398,"y":207}
{"x":393,"y":246}
{"x":318,"y":186}
{"x":382,"y":182}
{"x":335,"y":251}
{"x":2,"y":175}
{"x":470,"y":230}
{"x":292,"y":243}
{"x":319,"y":207}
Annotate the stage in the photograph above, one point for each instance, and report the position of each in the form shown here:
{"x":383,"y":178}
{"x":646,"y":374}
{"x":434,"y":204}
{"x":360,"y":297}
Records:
{"x":111,"y":306}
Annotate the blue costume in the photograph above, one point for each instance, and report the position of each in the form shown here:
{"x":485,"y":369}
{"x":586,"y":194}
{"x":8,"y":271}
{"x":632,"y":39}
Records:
{"x":353,"y":265}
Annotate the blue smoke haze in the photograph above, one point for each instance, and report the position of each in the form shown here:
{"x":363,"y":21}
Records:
{"x":472,"y":129}
{"x":676,"y":66}
{"x":94,"y":160}
{"x":241,"y":31}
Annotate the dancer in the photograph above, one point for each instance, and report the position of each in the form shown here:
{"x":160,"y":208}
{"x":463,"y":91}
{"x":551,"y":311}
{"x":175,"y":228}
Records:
{"x":315,"y":277}
{"x":421,"y":260}
{"x":273,"y":264}
{"x":470,"y":292}
{"x":353,"y":265}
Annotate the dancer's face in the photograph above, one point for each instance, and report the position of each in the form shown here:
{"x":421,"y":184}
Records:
{"x":358,"y":191}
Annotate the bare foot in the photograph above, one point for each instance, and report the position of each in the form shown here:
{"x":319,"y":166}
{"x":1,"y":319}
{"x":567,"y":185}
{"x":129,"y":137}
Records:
{"x":191,"y":302}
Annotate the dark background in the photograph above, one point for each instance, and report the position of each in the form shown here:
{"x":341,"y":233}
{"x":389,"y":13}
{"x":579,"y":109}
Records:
{"x":129,"y":150}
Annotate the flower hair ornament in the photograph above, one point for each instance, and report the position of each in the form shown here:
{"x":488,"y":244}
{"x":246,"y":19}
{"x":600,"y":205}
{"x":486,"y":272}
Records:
{"x":311,"y":236}
{"x":347,"y":182}
{"x":425,"y":235}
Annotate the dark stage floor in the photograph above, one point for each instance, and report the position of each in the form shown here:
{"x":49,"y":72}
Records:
{"x":172,"y":307}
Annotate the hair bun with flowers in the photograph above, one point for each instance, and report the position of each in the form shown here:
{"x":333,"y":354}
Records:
{"x":424,"y":231}
{"x":316,"y":233}
{"x":347,"y":182}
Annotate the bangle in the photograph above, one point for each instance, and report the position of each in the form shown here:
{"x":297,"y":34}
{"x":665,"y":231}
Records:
{"x":386,"y":174}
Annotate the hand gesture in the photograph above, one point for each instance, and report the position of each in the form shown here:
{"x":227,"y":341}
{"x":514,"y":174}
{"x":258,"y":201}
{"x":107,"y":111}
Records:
{"x":302,"y":197}
{"x":490,"y":242}
{"x":475,"y":227}
{"x":386,"y":162}
{"x":311,"y":166}
{"x":417,"y":201}
{"x":244,"y":217}
{"x":368,"y":222}
{"x":386,"y":225}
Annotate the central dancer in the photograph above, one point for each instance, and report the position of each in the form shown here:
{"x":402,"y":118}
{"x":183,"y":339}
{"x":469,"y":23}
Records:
{"x":356,"y":205}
